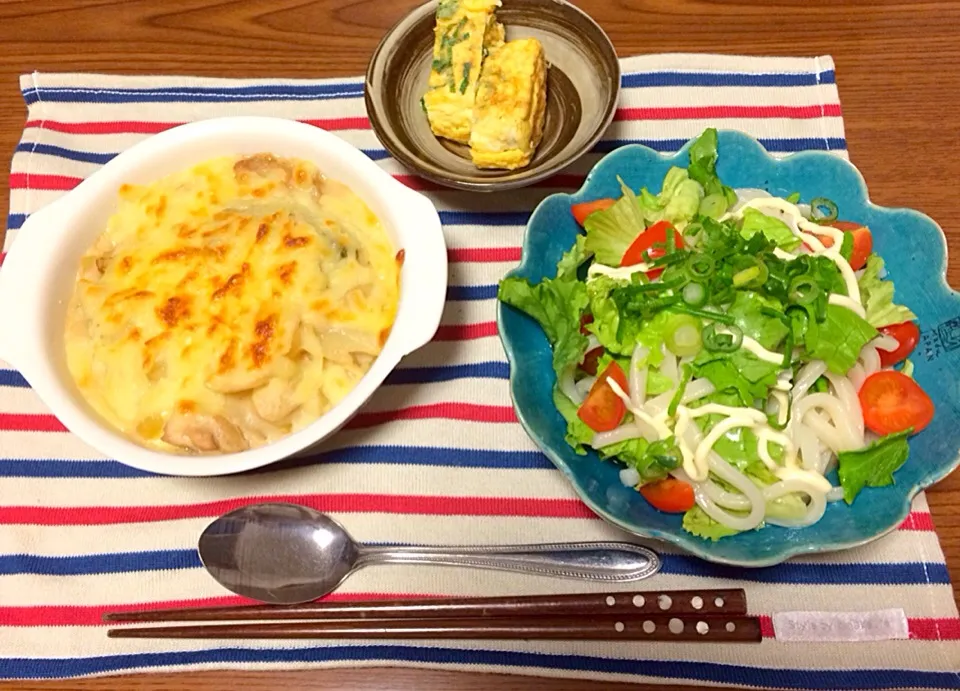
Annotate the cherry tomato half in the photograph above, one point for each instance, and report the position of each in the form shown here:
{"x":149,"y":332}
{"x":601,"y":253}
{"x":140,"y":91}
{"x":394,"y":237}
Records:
{"x":862,"y":241}
{"x":603,"y":409}
{"x":655,"y":234}
{"x":670,"y":495}
{"x":583,"y":209}
{"x":893,"y":402}
{"x":907,"y":335}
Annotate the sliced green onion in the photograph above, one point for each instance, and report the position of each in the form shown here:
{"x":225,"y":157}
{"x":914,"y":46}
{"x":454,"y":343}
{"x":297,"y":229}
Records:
{"x":692,"y":229}
{"x":704,"y":314}
{"x":682,"y":335}
{"x":713,"y":205}
{"x":669,"y":259}
{"x":694,"y":294}
{"x":817,"y":204}
{"x":803,"y":291}
{"x":664,"y":302}
{"x":681,"y":387}
{"x":821,"y":385}
{"x":794,"y":198}
{"x":722,"y":343}
{"x":788,"y":350}
{"x":700,"y":266}
{"x":743,"y":277}
{"x":907,"y":369}
{"x":651,"y":287}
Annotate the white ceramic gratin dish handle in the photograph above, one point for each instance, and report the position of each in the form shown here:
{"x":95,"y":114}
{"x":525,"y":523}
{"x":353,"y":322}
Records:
{"x":38,"y":275}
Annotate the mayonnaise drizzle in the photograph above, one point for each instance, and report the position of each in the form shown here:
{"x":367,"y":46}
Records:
{"x":622,"y":273}
{"x":802,"y":224}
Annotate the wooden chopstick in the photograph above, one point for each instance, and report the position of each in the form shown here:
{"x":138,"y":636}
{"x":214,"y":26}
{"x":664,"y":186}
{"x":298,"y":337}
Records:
{"x":713,"y":629}
{"x":660,"y":602}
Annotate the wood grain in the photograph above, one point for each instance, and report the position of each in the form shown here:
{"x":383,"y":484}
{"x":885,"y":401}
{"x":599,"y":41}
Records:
{"x":898,"y":69}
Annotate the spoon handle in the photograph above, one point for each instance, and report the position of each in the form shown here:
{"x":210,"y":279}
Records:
{"x":612,"y":562}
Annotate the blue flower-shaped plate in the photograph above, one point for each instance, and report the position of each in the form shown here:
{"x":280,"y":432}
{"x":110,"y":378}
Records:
{"x":914,"y":249}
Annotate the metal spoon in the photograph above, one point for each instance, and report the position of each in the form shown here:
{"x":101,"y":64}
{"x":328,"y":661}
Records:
{"x":288,"y":554}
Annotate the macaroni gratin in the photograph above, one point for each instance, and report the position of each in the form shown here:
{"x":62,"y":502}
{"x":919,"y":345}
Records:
{"x":230,"y":304}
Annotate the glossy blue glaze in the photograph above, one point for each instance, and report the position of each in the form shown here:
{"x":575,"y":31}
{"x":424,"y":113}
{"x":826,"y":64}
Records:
{"x":914,"y":249}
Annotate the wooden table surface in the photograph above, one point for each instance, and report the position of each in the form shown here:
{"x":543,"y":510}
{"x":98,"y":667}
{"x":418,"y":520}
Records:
{"x":898,"y":70}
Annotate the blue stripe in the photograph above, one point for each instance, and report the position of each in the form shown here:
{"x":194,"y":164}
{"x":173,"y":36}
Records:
{"x":813,"y":574}
{"x":407,"y":375}
{"x":263,"y":92}
{"x":14,"y":221}
{"x":9,"y":377}
{"x":486,"y":218}
{"x":425,"y":375}
{"x":361,"y":455}
{"x":487,"y":292}
{"x":69,"y":154}
{"x":720,"y":673}
{"x":647,"y":79}
{"x":776,"y":145}
{"x":267,"y":92}
{"x":799,"y":573}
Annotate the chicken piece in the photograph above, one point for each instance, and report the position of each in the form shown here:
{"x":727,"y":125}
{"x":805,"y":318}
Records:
{"x":275,"y":401}
{"x":203,"y":433}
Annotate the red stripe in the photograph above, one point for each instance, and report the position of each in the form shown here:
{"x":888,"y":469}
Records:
{"x":92,"y":615}
{"x":142,"y":127}
{"x":23,"y":422}
{"x":447,"y":411}
{"x":342,"y":503}
{"x":484,"y":254}
{"x":465,"y":332}
{"x":940,"y":629}
{"x":921,"y":628}
{"x":710,"y":112}
{"x":22,"y":181}
{"x":918,"y":521}
{"x":675,"y":113}
{"x":16,"y":422}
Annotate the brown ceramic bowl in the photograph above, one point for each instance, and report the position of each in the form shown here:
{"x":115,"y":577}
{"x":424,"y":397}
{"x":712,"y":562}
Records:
{"x":583,"y":86}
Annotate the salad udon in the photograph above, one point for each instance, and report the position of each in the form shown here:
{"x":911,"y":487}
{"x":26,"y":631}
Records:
{"x":730,"y":349}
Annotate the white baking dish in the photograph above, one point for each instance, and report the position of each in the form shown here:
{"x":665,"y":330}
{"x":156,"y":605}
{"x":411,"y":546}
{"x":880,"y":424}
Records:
{"x":37,"y":278}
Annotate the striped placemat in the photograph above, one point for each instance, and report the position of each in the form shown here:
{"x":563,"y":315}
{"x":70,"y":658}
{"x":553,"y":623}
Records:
{"x":437,"y":456}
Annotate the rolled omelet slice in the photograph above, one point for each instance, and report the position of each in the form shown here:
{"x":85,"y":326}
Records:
{"x":510,"y":104}
{"x":465,"y":32}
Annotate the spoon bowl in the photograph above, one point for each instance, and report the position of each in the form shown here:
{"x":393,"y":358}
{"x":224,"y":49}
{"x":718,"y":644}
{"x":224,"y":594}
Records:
{"x":286,"y":554}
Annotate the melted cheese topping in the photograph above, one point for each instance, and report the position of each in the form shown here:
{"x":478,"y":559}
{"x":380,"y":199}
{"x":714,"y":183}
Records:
{"x":230,"y":304}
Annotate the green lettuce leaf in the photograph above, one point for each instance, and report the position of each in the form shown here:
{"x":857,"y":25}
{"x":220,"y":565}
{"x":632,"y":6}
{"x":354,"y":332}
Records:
{"x":615,"y":335}
{"x":839,"y":339}
{"x":697,"y":522}
{"x":611,"y":231}
{"x":703,"y":165}
{"x":579,"y":433}
{"x":746,"y":311}
{"x":556,"y":304}
{"x":772,"y":228}
{"x":740,"y":372}
{"x":873,"y":465}
{"x":877,"y":297}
